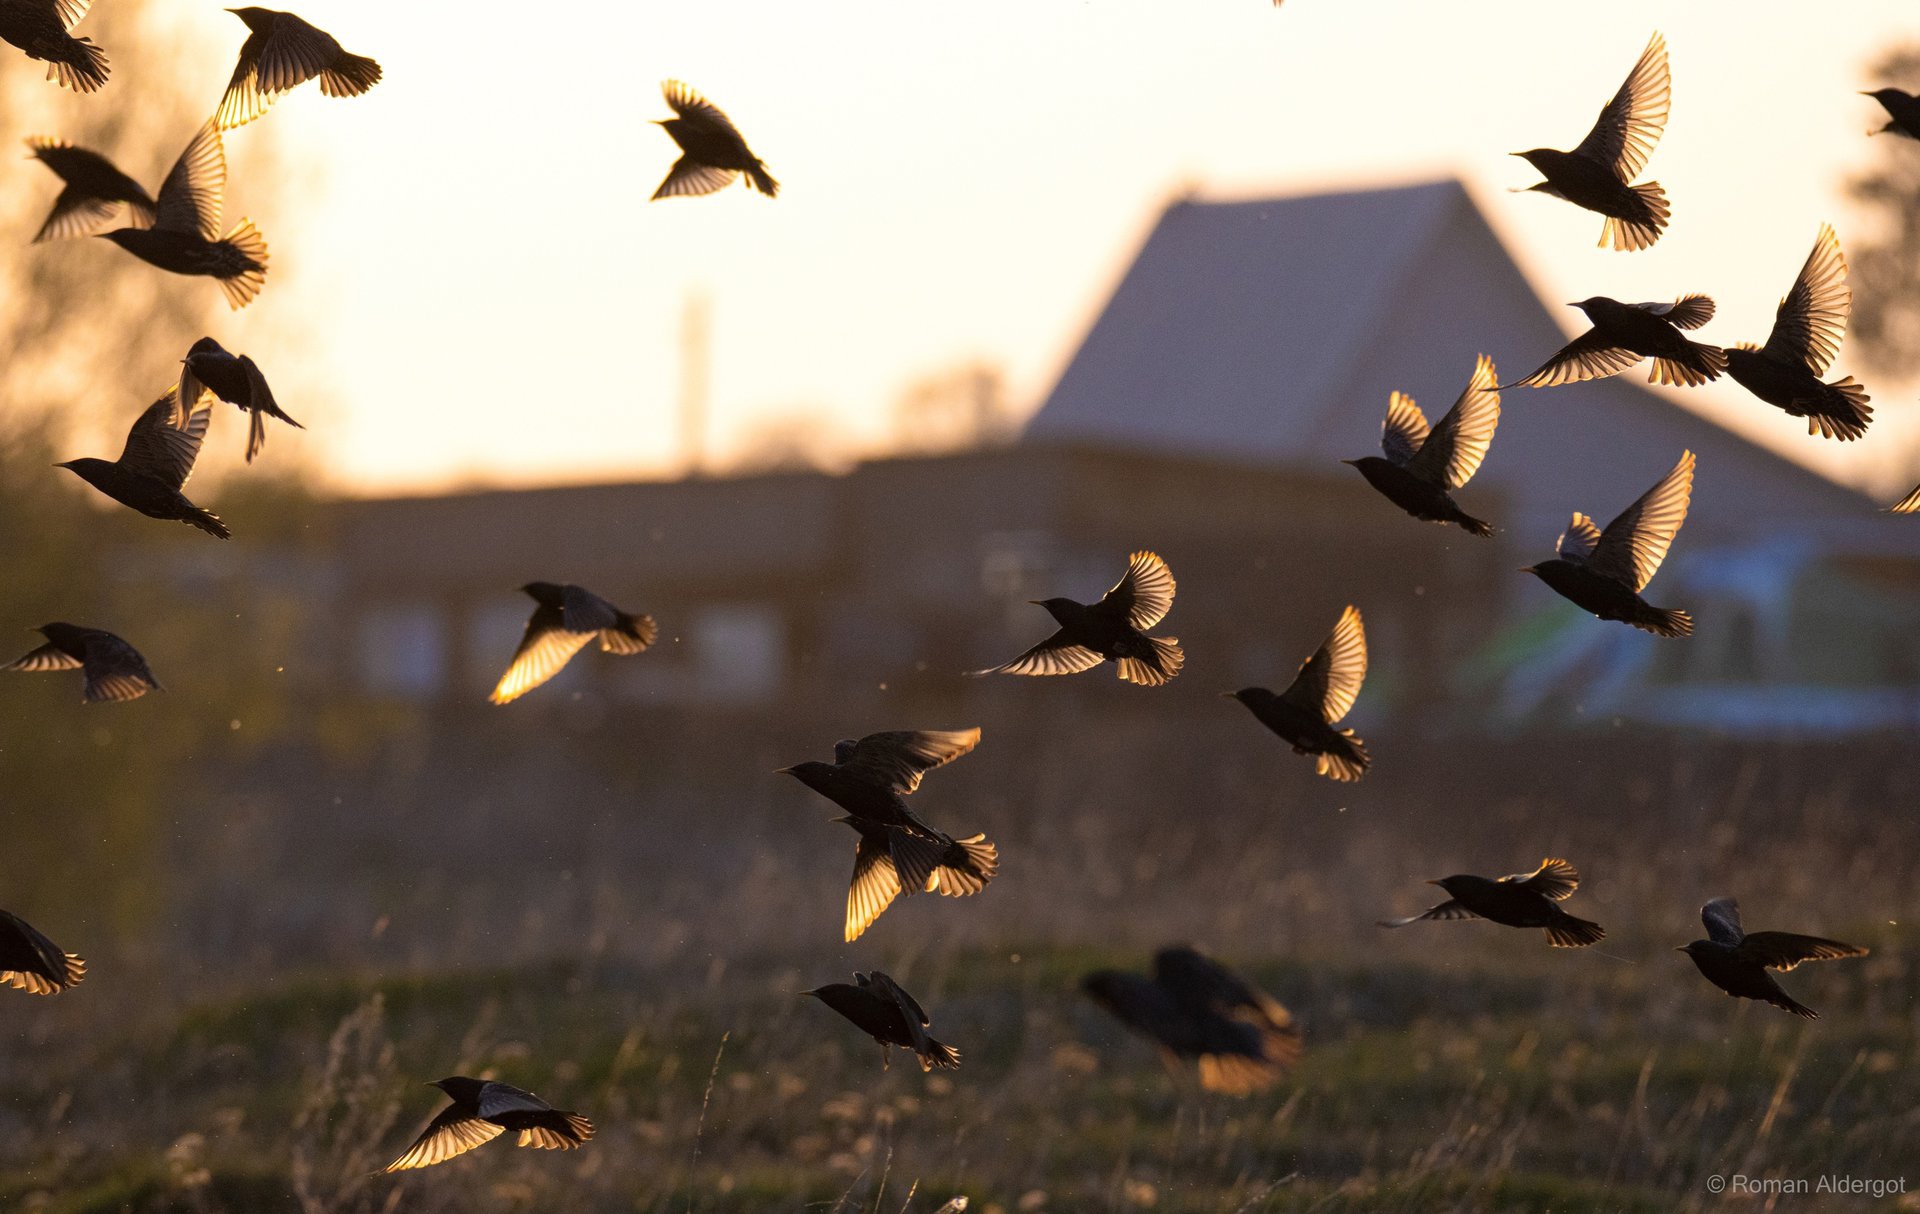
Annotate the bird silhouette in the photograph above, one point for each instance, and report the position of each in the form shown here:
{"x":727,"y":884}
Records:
{"x":283,"y":52}
{"x":185,"y":237}
{"x":1422,"y":468}
{"x":898,"y":852}
{"x":1519,"y":900}
{"x":1598,"y":174}
{"x":566,"y":620}
{"x":1111,"y":630}
{"x":712,"y":151}
{"x":32,"y":963}
{"x":113,"y":670}
{"x":1806,"y":335}
{"x":93,"y":192}
{"x":1604,"y":571}
{"x":481,"y":1111}
{"x":1737,"y":961}
{"x":236,"y":379}
{"x":1902,"y":107}
{"x":154,"y":465}
{"x":1322,"y":692}
{"x":44,"y":30}
{"x":878,"y":1006}
{"x":1623,"y":334}
{"x":1197,"y":1010}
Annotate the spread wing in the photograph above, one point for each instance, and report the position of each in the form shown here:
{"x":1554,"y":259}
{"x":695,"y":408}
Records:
{"x":1722,"y":917}
{"x":1453,"y":452}
{"x":69,"y":11}
{"x":1686,"y":312}
{"x":1203,"y":984}
{"x":584,"y":611}
{"x":688,"y":178}
{"x":1554,"y":879}
{"x":898,"y":758}
{"x":190,"y":198}
{"x":1144,"y":595}
{"x":451,"y":1133}
{"x":689,"y":104}
{"x":1784,"y":950}
{"x":293,"y":53}
{"x":1588,"y":356}
{"x":876,"y":883}
{"x":158,"y":449}
{"x":1055,"y":655}
{"x":44,"y":658}
{"x":1633,"y":545}
{"x":1630,"y":125}
{"x":1578,"y":541}
{"x":1405,"y":431}
{"x":1445,"y":910}
{"x":1329,"y":680}
{"x":545,"y":648}
{"x":497,"y":1098}
{"x":116,"y":672}
{"x":1808,"y":325}
{"x":1910,"y":504}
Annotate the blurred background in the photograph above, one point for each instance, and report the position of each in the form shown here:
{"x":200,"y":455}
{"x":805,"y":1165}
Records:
{"x":1046,"y":283}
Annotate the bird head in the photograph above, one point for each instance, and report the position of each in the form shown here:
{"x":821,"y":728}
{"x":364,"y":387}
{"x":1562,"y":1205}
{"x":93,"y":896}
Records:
{"x":459,"y":1087}
{"x":86,"y":468}
{"x":1455,"y":883}
{"x":1885,"y":95}
{"x":254,"y":17}
{"x":1060,"y":609}
{"x":547,"y":594}
{"x":1588,"y":304}
{"x":1533,"y":157}
{"x":1245,"y":695}
{"x":1533,"y":569}
{"x":811,"y":773}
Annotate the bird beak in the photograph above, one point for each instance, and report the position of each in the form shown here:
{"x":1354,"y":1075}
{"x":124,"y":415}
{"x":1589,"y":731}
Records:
{"x":1433,"y":883}
{"x":813,"y":994}
{"x":783,"y":771}
{"x":1529,"y":569}
{"x":1351,"y":462}
{"x":1034,"y":603}
{"x":1228,"y":695}
{"x":1573,"y":305}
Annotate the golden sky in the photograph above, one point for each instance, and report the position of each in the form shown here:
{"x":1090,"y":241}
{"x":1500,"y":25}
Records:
{"x":473,"y":287}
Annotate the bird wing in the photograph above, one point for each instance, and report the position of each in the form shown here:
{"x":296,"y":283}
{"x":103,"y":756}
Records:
{"x":1910,"y":504}
{"x":70,"y":12}
{"x":688,"y":103}
{"x":546,"y":646}
{"x":1588,"y":356}
{"x":1205,"y":985}
{"x":909,"y":1006}
{"x":898,"y":758}
{"x":688,"y":178}
{"x":292,"y":53}
{"x":75,"y":214}
{"x":1453,"y":452}
{"x":116,"y":672}
{"x":1722,"y":917}
{"x":1810,"y":320}
{"x":1785,"y":950}
{"x":47,"y":657}
{"x":620,"y":641}
{"x":1633,"y":545}
{"x":546,"y":1138}
{"x":1404,"y":432}
{"x":1686,"y":312}
{"x":876,"y":883}
{"x":497,"y":1098}
{"x":1144,"y":594}
{"x":1055,"y":655}
{"x":1631,"y":123}
{"x":1443,"y":911}
{"x":158,"y":449}
{"x":190,"y":197}
{"x":67,"y":969}
{"x":453,"y":1132}
{"x":1554,"y":879}
{"x":585,"y":611}
{"x":1578,"y":541}
{"x":1329,"y":680}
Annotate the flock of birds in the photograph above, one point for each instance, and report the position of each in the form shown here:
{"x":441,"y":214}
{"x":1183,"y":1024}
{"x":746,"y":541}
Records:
{"x":1240,"y":1039}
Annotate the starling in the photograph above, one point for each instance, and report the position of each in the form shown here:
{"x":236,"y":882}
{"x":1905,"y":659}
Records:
{"x":1598,"y":175}
{"x":1623,"y":334}
{"x":43,"y":29}
{"x":185,"y":236}
{"x":561,"y":626}
{"x":481,"y":1110}
{"x":233,"y":378}
{"x":283,"y":52}
{"x":1321,"y":693}
{"x":898,"y":852}
{"x":32,"y":963}
{"x":1519,"y":900}
{"x":878,"y":1007}
{"x":1605,"y":571}
{"x":1737,"y":962}
{"x":1902,"y":107}
{"x":1423,"y":468}
{"x":1112,"y":630}
{"x":1195,"y":1008}
{"x":1806,"y":335}
{"x":711,"y":150}
{"x":114,"y":670}
{"x":93,"y":192}
{"x":155,"y":465}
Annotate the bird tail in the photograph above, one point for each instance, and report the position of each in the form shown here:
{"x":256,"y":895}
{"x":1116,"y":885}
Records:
{"x":1662,"y":622}
{"x":1573,"y":932}
{"x":1346,"y":761}
{"x":763,"y":180}
{"x":939,"y":1054}
{"x":208,"y":522}
{"x":633,"y":634}
{"x":1843,"y":411}
{"x":966,"y":867}
{"x":83,"y":70}
{"x":1700,"y":364}
{"x":350,"y":76}
{"x":245,"y":283}
{"x":1638,"y":231}
{"x":256,"y":433}
{"x":1474,"y":526}
{"x":1781,"y":999}
{"x":559,"y":1131}
{"x":1166,"y":662}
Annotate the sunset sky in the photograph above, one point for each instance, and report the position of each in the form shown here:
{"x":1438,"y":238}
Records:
{"x":472,"y":288}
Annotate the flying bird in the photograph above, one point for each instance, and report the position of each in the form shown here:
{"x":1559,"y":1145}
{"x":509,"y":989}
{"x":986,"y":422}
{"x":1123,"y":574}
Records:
{"x":566,"y":619}
{"x":44,"y":30}
{"x":1604,"y":571}
{"x":32,"y":963}
{"x":711,"y":149}
{"x":1111,"y":630}
{"x":879,"y":1008}
{"x":1902,"y":107}
{"x":93,"y":192}
{"x":1623,"y":334}
{"x":1598,"y":175}
{"x":898,"y":852}
{"x":1322,"y":692}
{"x":1806,"y":335}
{"x":185,"y":236}
{"x":481,"y":1111}
{"x":155,"y":464}
{"x":1198,"y":1010}
{"x":114,"y":670}
{"x":1422,"y":468}
{"x":1737,"y":962}
{"x":283,"y":52}
{"x":1520,"y":900}
{"x":236,"y":379}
